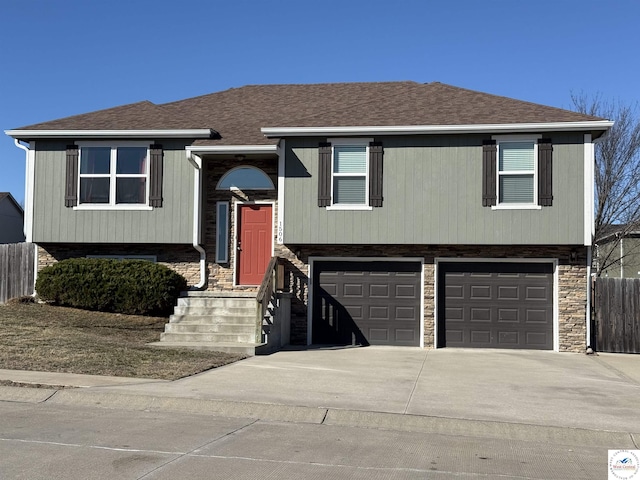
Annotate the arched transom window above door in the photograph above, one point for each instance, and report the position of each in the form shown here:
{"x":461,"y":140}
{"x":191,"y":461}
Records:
{"x":245,"y":178}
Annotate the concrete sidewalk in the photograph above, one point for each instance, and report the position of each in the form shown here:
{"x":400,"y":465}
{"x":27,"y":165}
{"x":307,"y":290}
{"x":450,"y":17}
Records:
{"x":383,"y":386}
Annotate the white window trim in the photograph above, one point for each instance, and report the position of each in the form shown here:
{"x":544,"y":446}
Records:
{"x":225,"y":258}
{"x":113,"y":176}
{"x":340,"y":142}
{"x":238,"y":189}
{"x":500,"y":139}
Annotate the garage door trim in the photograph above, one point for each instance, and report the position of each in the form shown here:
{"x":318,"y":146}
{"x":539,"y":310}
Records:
{"x":553,"y":261}
{"x":311,"y":286}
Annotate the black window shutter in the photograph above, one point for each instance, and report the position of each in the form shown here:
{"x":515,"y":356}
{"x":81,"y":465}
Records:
{"x":545,"y":154}
{"x":375,"y":174}
{"x":324,"y":174}
{"x":489,"y":160}
{"x":155,"y":176}
{"x":71,"y":181}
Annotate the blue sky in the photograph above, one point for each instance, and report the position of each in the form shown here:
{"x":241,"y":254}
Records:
{"x":64,"y":57}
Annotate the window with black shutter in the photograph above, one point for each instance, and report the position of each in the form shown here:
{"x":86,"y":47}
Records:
{"x":350,"y":174}
{"x":517,"y":172}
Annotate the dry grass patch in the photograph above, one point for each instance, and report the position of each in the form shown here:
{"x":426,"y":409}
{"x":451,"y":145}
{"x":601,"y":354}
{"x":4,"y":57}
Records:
{"x":46,"y":338}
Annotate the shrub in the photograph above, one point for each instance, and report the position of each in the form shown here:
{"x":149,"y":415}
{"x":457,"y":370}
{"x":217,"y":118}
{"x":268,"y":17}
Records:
{"x":134,"y":287}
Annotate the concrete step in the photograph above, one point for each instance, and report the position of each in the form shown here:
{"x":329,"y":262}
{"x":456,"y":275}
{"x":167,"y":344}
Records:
{"x":230,"y":302}
{"x":214,"y":310}
{"x":228,"y":328}
{"x":248,"y":349}
{"x":209,"y":337}
{"x":212,"y":319}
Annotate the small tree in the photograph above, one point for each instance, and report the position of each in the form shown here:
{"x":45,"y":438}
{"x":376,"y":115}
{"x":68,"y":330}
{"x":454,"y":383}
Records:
{"x":617,"y":173}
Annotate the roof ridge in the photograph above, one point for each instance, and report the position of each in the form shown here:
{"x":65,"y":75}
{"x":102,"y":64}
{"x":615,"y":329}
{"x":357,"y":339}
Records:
{"x":321,"y":84}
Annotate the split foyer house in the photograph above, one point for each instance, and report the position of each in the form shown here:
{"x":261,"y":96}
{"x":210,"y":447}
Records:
{"x":401,"y":213}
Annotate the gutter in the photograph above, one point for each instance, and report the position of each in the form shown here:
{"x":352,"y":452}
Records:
{"x":196,"y":161}
{"x":176,"y":133}
{"x":595,"y":125}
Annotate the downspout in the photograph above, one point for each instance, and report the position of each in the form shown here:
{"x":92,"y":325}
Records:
{"x":589,"y":293}
{"x":196,"y":161}
{"x":27,"y":191}
{"x":28,"y":204}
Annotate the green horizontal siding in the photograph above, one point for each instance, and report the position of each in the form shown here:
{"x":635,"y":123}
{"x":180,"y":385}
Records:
{"x":433,"y":195}
{"x":53,"y":222}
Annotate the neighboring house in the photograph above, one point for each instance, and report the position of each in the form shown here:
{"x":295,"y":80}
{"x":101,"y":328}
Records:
{"x":405,"y":214}
{"x":618,"y":254}
{"x":11,"y":219}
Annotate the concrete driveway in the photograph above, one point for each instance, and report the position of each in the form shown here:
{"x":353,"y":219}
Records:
{"x":530,"y":387}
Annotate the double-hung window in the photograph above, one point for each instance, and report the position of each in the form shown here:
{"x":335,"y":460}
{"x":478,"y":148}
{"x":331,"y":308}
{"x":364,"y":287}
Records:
{"x":517,"y":172}
{"x":349,"y":177}
{"x":350,"y":174}
{"x":113,"y":176}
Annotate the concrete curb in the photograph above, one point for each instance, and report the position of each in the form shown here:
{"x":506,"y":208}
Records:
{"x":25,"y":395}
{"x":280,"y":413}
{"x":480,"y":428}
{"x":326,"y":416}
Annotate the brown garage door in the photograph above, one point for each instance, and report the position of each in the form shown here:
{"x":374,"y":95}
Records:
{"x":495,"y":305}
{"x":366,"y":303}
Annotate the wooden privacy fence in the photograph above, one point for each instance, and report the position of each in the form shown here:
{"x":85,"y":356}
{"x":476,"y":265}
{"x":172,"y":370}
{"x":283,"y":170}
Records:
{"x":16,"y":270}
{"x":617,"y":314}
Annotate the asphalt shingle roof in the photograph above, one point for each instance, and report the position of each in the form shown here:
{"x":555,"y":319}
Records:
{"x":238,"y":114}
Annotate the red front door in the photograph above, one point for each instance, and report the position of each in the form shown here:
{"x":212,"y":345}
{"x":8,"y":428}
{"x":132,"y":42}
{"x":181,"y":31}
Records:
{"x":254,"y":243}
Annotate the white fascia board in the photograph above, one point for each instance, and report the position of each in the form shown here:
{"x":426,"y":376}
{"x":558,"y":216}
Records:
{"x":233,"y":149}
{"x":187,"y":133}
{"x":435,"y":129}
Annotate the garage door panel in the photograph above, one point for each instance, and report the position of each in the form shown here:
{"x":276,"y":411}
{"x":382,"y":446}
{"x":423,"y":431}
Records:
{"x":508,"y":292}
{"x":508,"y":315}
{"x":380,"y":291}
{"x":378,"y":335}
{"x":352,"y":290}
{"x":454,"y":291}
{"x":498,"y":305}
{"x":406,"y":291}
{"x":379,"y":313}
{"x":508,"y":338}
{"x":372,"y":302}
{"x":537,"y":293}
{"x":405,"y":313}
{"x":480,"y":337}
{"x":480,"y":314}
{"x":406,"y":336}
{"x":480,"y":291}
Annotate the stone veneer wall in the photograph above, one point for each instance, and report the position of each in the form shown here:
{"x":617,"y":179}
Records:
{"x":572,"y":280}
{"x":184,"y":259}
